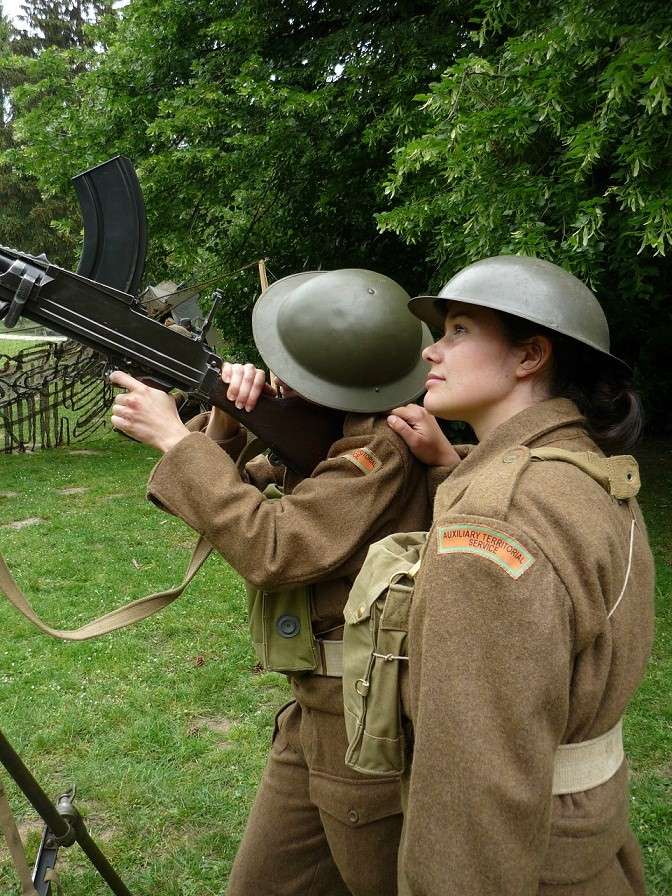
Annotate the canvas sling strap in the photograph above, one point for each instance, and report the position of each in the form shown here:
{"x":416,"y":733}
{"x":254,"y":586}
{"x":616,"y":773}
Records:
{"x":15,"y":846}
{"x":119,"y":618}
{"x":133,"y":612}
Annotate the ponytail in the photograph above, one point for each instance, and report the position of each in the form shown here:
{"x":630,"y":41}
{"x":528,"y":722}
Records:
{"x":602,"y":390}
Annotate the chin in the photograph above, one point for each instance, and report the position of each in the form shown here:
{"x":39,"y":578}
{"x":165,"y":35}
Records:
{"x":434,"y":404}
{"x":441,"y":408}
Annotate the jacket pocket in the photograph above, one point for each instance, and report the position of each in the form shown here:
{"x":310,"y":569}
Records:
{"x":587,"y":831}
{"x":355,"y":802}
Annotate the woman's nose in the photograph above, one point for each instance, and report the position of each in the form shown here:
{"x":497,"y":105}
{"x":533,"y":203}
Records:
{"x":430,"y":354}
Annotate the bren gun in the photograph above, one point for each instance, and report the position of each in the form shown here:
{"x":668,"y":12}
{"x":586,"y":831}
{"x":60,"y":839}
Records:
{"x":104,"y":316}
{"x":98,"y":307}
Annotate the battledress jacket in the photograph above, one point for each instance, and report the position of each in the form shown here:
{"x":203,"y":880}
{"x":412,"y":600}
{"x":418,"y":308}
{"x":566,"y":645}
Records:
{"x":318,"y":534}
{"x":504,"y":667}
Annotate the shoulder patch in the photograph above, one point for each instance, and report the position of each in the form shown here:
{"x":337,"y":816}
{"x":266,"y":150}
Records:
{"x":504,"y":550}
{"x":364,"y":459}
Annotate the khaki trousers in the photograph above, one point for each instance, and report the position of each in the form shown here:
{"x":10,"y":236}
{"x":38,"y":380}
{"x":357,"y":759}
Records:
{"x":316,"y":828}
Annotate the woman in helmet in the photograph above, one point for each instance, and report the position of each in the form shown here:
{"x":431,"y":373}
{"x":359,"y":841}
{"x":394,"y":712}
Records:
{"x":532,"y":617}
{"x":316,"y":827}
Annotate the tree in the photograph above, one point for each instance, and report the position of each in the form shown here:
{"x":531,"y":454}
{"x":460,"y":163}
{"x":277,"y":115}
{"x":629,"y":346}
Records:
{"x":56,"y":23}
{"x":34,"y":220}
{"x":259,"y":129}
{"x":550,"y":136}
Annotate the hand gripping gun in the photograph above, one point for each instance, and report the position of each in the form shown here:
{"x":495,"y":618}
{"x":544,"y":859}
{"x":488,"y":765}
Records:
{"x":97,"y":306}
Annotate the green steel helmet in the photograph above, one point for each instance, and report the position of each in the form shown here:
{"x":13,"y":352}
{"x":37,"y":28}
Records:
{"x":526,"y":287}
{"x":344,"y":339}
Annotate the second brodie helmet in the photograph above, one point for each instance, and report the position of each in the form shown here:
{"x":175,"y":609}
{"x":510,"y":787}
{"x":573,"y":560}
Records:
{"x":526,"y":287}
{"x":344,"y":339}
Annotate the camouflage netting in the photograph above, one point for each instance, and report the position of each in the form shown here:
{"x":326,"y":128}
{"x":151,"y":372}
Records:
{"x":51,"y":394}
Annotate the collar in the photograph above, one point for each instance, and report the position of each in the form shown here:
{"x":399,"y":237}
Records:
{"x":524,"y":428}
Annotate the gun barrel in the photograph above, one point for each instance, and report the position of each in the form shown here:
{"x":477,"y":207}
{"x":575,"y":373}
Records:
{"x":105,"y":319}
{"x":113,"y":323}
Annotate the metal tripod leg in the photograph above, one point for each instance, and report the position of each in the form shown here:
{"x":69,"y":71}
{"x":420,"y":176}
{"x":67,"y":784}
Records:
{"x":64,"y":823}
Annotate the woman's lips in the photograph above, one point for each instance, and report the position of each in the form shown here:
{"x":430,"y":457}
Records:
{"x":433,"y":379}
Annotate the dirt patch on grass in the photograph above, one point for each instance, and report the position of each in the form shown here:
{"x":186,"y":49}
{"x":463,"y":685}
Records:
{"x":9,"y":494}
{"x":218,"y":725}
{"x":74,"y":490}
{"x":26,"y":828}
{"x":666,"y":771}
{"x":21,"y":524}
{"x":85,"y":452}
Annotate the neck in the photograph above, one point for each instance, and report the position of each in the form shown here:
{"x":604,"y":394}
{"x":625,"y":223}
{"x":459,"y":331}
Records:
{"x":487,"y":419}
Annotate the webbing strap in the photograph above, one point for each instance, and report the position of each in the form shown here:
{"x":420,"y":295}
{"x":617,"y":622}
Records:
{"x":16,"y":850}
{"x":330,"y":662}
{"x":588,"y":764}
{"x":119,"y":618}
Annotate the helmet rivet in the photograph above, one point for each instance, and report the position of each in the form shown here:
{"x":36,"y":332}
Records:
{"x":371,"y":292}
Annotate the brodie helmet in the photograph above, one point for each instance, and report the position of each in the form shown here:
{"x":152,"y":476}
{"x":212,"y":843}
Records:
{"x":526,"y":287}
{"x":344,"y":339}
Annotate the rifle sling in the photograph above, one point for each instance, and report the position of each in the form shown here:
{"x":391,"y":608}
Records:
{"x":119,"y":618}
{"x":132,"y":612}
{"x":15,"y":845}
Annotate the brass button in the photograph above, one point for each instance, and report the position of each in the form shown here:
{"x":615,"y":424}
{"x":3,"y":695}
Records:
{"x":361,"y":611}
{"x":353,"y":816}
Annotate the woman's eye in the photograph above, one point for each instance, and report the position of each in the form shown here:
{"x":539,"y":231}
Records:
{"x":459,"y":328}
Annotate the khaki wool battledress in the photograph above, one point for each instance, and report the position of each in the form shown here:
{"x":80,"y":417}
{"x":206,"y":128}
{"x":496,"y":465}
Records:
{"x":317,"y":828}
{"x":505,"y":665}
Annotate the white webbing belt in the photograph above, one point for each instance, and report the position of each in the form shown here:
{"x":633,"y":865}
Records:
{"x":331,"y":659}
{"x":577,"y":767}
{"x":587,"y":764}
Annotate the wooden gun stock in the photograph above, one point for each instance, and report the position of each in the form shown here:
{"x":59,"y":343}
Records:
{"x":300,"y":433}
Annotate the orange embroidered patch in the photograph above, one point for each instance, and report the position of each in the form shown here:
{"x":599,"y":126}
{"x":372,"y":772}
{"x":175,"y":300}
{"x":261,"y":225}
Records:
{"x":502,"y":549}
{"x":364,"y":459}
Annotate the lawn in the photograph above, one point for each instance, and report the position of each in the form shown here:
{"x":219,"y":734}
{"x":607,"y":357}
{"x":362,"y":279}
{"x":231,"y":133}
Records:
{"x":164,"y":727}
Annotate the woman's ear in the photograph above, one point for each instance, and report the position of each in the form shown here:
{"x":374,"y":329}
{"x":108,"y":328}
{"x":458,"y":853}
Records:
{"x":535,"y":355}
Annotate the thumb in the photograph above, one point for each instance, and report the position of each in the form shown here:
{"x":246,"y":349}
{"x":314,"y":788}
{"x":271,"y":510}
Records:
{"x":407,"y":433}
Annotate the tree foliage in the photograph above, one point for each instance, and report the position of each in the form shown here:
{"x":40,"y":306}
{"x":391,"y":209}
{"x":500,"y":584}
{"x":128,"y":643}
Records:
{"x":34,"y":217}
{"x":258,"y":129}
{"x":410,"y":137}
{"x":550,"y":136}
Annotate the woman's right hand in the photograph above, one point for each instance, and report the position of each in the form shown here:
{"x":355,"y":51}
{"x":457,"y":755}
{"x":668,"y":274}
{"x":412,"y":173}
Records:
{"x":422,"y":433}
{"x":246,"y":383}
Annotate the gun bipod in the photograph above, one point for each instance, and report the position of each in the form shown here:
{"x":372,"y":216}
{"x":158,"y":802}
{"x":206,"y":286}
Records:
{"x":63,"y":827}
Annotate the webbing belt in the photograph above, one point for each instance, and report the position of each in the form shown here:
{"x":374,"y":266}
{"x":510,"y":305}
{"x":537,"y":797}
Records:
{"x":589,"y":763}
{"x":119,"y":618}
{"x":330,"y":659}
{"x":577,"y":767}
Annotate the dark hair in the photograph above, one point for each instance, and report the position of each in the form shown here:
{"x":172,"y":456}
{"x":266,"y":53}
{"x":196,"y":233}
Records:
{"x":602,"y":389}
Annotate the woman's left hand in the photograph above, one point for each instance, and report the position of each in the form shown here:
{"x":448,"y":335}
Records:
{"x":423,"y":435}
{"x":145,"y":414}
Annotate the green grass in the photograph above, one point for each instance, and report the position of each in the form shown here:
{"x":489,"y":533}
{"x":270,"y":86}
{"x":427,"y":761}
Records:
{"x":648,"y":728}
{"x":164,"y":793}
{"x":12,"y":347}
